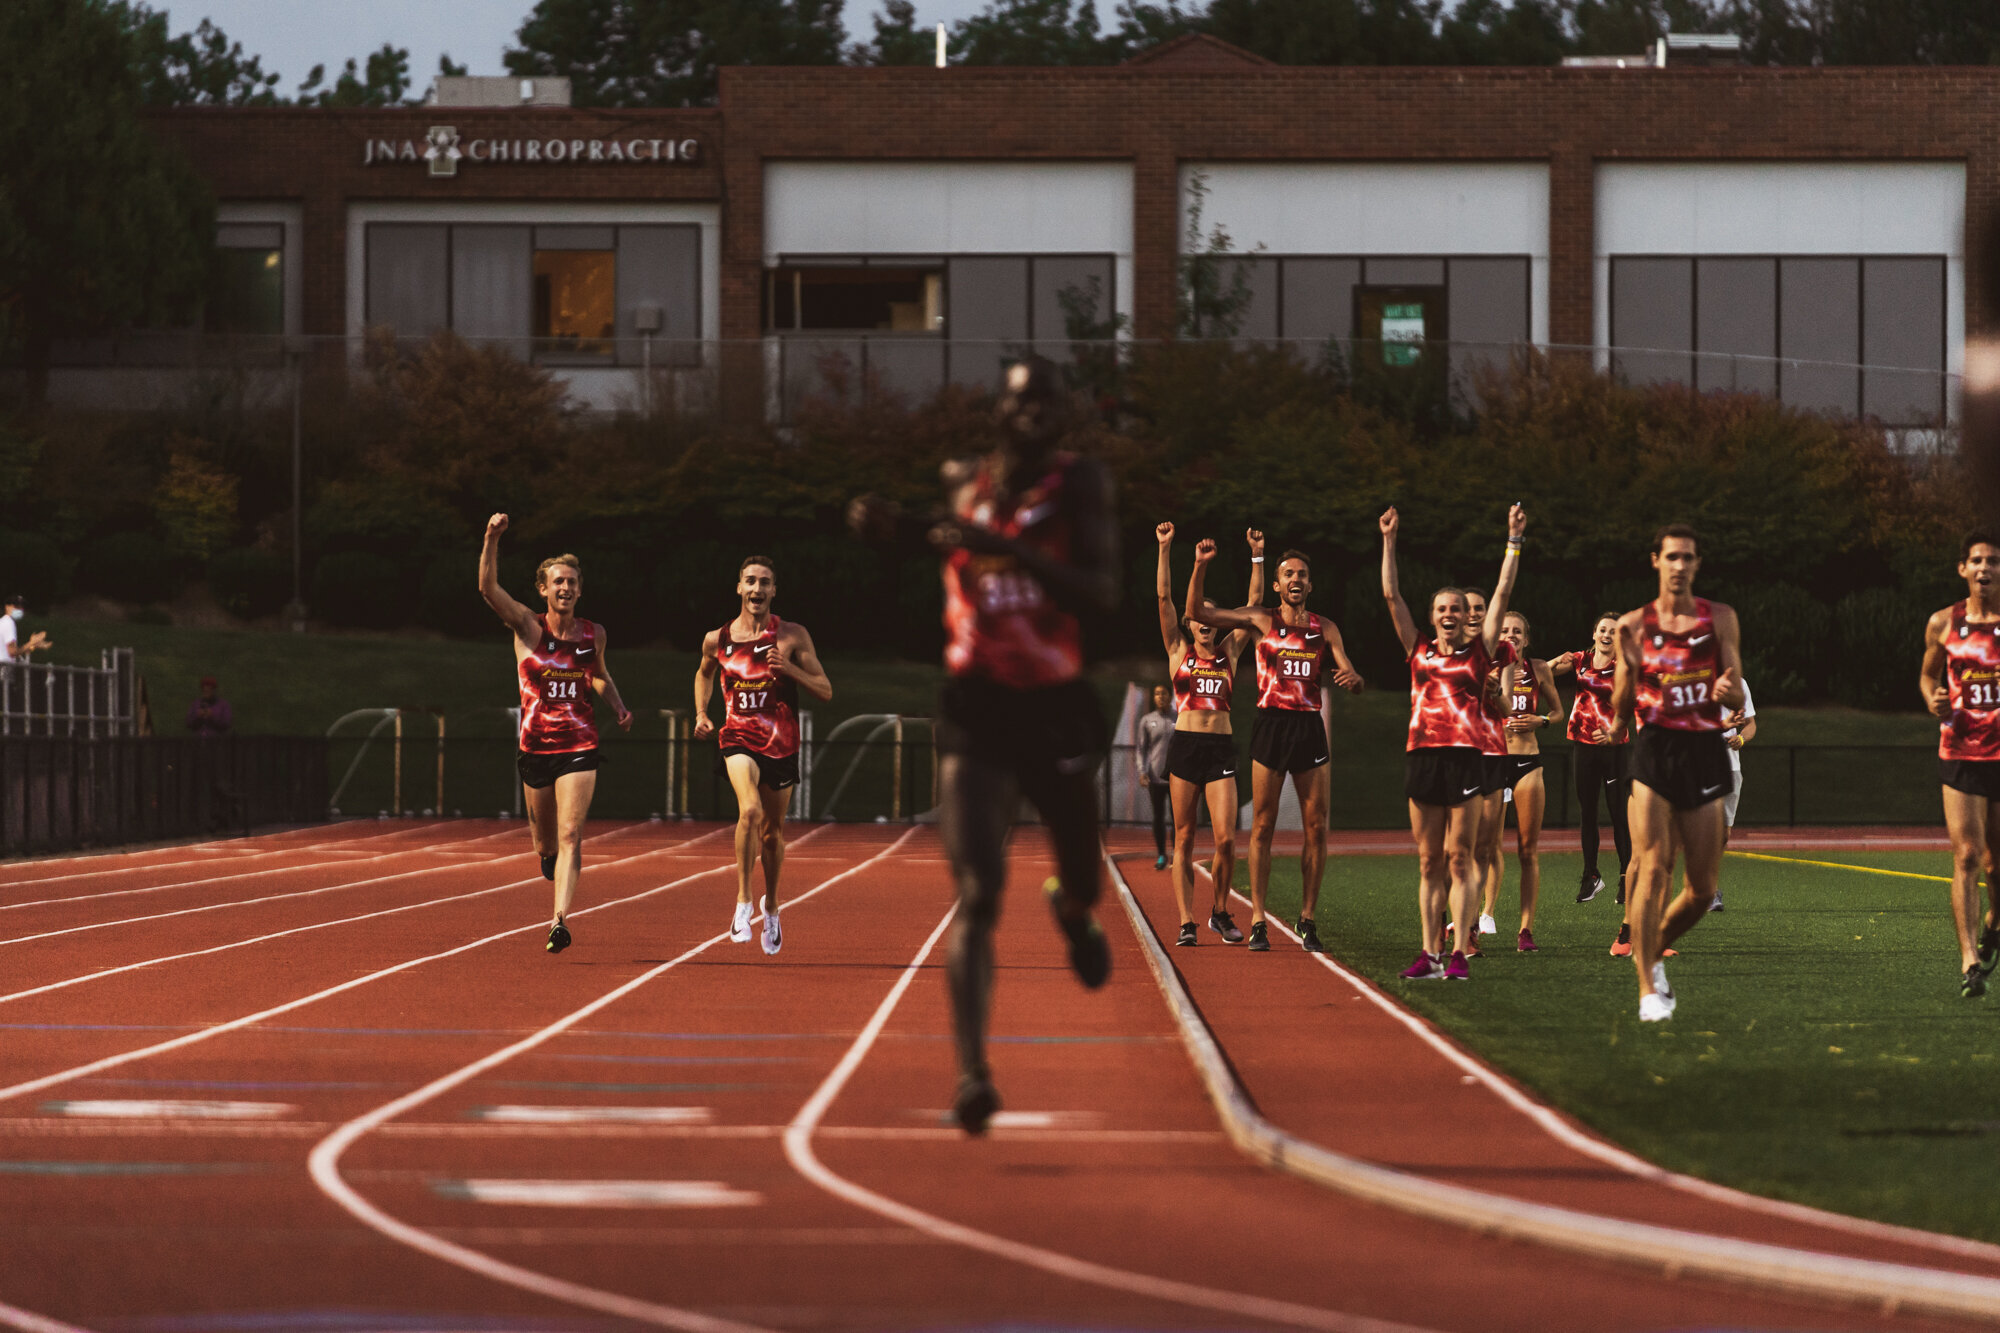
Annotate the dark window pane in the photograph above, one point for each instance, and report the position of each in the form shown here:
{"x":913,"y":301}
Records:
{"x":1736,"y":302}
{"x":989,"y":316}
{"x":1488,"y":312}
{"x":492,"y":286}
{"x":406,"y":278}
{"x":1258,"y":317}
{"x":1819,"y":320}
{"x":903,"y":300}
{"x":1652,"y":311}
{"x":250,"y":236}
{"x":575,"y":303}
{"x":247,"y":293}
{"x":1395,"y":272}
{"x":1902,"y":306}
{"x":660,"y":267}
{"x":1319,"y":298}
{"x":1085,"y":281}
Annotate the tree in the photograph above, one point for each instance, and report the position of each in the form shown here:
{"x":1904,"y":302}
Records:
{"x":1035,"y":32}
{"x":384,"y":82}
{"x":897,"y":39}
{"x":669,"y":52}
{"x":198,"y":68}
{"x":100,"y":223}
{"x":1331,"y":32}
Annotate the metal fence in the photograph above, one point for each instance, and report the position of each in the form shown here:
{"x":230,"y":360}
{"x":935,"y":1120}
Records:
{"x":90,"y":702}
{"x":58,"y":793}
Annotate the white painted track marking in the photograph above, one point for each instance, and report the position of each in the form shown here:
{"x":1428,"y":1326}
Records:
{"x":28,"y":1321}
{"x":34,"y":1085}
{"x":324,"y":1161}
{"x":600,"y":1193}
{"x":594,"y":1115}
{"x":799,"y":1151}
{"x":172,"y":1110}
{"x":1555,"y":1126}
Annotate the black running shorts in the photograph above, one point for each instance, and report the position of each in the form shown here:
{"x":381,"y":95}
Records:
{"x":1201,"y":757}
{"x":772,"y":774}
{"x":1288,"y":740}
{"x":542,"y":770}
{"x":1057,"y":727}
{"x":1689,"y":768}
{"x":1519,"y":766}
{"x":1974,"y":777}
{"x":1493,"y":773}
{"x":1443,"y":775}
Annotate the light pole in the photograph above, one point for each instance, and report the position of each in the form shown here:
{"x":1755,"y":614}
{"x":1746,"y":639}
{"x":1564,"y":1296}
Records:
{"x":295,"y":610}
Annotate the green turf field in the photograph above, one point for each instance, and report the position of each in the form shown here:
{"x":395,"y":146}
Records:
{"x":1820,"y":1053}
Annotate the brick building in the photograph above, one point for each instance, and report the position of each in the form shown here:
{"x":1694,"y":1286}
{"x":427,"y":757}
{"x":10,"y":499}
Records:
{"x":1796,"y":230}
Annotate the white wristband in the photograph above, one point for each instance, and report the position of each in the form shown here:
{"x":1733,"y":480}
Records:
{"x":1256,"y":559}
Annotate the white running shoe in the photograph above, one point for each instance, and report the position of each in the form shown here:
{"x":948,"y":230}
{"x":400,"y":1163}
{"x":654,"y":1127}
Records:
{"x":1487,"y":925}
{"x":1655,"y":1009}
{"x":739,"y":926}
{"x":1660,"y":985}
{"x":774,"y":938}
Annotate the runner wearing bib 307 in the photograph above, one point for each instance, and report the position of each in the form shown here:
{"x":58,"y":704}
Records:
{"x":1679,"y":666}
{"x":1294,"y":649}
{"x":1961,"y":685}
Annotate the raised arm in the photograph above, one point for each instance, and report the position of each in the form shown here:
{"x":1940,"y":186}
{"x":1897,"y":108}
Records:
{"x":512,"y":614}
{"x":1729,"y":648}
{"x":705,"y":673}
{"x":1248,"y":618}
{"x":801,"y":662}
{"x":606,"y":688}
{"x":1240,"y":639}
{"x":1392,"y":586}
{"x":1163,"y":592}
{"x":1936,"y":693}
{"x":1503,"y":588}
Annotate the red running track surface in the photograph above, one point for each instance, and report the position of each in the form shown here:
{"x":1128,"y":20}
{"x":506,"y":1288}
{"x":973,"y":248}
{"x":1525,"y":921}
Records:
{"x":384,"y":1106}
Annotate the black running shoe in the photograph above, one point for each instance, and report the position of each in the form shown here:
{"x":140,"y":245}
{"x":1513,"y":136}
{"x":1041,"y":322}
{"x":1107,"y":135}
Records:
{"x":1089,"y":951}
{"x":1260,"y":940}
{"x":1188,"y":939}
{"x":549,"y":869}
{"x":1220,"y":923}
{"x":1308,"y":932}
{"x":1989,"y":949}
{"x":974,"y":1104}
{"x":558,"y":937}
{"x":1973,"y":985}
{"x":1591,"y":886}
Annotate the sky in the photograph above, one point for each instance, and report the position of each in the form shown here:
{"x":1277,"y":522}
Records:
{"x":291,"y":36}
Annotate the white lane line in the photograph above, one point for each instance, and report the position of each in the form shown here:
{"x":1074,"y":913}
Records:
{"x":1556,"y":1127}
{"x":324,"y":1161}
{"x":245,"y":854}
{"x":1793,"y":1272}
{"x":600,"y":1193}
{"x":799,"y":1151}
{"x":593,"y":1115}
{"x":171,"y":1110}
{"x":13,"y":1316}
{"x":323,"y":925}
{"x":250,"y":1020}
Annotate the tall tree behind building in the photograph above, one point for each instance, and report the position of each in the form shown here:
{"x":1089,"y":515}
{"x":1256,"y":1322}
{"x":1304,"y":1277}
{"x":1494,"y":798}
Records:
{"x":669,"y":52}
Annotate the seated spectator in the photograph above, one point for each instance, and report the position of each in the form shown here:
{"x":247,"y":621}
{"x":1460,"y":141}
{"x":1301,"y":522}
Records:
{"x":209,"y":715}
{"x":11,"y":647}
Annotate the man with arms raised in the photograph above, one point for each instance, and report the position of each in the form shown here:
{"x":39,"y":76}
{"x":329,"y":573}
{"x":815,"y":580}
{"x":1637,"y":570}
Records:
{"x":761,"y":661}
{"x":1961,"y":685}
{"x":1680,"y":665}
{"x":1290,"y":735}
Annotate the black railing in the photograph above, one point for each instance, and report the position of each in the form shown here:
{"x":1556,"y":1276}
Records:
{"x":59,"y":793}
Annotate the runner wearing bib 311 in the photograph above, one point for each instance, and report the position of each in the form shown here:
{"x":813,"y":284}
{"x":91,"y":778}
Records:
{"x":1294,"y":649}
{"x":1679,"y":667}
{"x":1961,"y":685}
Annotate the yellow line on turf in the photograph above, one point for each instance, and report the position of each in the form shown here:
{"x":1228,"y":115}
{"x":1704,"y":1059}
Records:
{"x":1842,"y":865}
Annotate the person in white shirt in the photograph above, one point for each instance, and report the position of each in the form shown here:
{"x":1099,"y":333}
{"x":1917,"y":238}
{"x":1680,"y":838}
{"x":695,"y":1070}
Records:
{"x":11,"y":647}
{"x":1741,"y":726}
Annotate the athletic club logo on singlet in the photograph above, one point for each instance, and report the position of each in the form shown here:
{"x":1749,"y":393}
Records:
{"x":1448,"y":693}
{"x":1591,"y":712}
{"x":1972,"y":675}
{"x":557,"y":716}
{"x":1289,"y":661}
{"x":760,"y":707}
{"x":1677,"y":673}
{"x":1203,"y":684}
{"x":999,"y":622}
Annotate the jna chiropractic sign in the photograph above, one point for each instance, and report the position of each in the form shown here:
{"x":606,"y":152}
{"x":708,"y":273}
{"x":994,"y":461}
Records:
{"x":443,"y":149}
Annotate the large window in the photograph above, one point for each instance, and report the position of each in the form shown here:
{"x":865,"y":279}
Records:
{"x":565,"y":295}
{"x":1859,"y":335}
{"x":247,"y":286}
{"x":899,"y":295}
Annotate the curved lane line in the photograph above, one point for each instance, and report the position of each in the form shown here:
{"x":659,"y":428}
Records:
{"x":12,"y":1316}
{"x":250,"y":1020}
{"x":335,"y":844}
{"x":324,"y":1161}
{"x":799,"y":1151}
{"x":1889,"y":1286}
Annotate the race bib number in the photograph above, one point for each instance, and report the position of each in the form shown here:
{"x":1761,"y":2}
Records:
{"x":1209,"y":685}
{"x":1982,"y":695}
{"x":1679,"y":698}
{"x":1008,"y":592}
{"x":1296,"y":667}
{"x":751,"y":701}
{"x":559,"y":691}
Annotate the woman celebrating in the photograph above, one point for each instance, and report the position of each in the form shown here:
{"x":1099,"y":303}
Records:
{"x":1445,"y":771}
{"x":1601,"y":766}
{"x":1531,"y":688}
{"x":1201,"y":755}
{"x":561,"y":663}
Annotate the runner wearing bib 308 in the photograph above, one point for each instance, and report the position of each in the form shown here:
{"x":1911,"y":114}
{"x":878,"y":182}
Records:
{"x":1294,"y":648}
{"x":1679,"y":666}
{"x":1961,"y":685}
{"x":1532,"y":704}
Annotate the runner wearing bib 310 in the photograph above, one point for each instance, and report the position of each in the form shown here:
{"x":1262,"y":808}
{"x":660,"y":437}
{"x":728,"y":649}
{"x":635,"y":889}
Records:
{"x":1679,"y":666}
{"x":1961,"y":685}
{"x":1294,"y":649}
{"x":762,"y":662}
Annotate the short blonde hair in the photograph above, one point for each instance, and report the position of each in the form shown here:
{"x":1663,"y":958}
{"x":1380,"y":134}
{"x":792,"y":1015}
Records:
{"x":542,"y":570}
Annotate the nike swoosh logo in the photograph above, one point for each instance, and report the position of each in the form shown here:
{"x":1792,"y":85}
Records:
{"x":1703,"y":639}
{"x":1471,"y":790}
{"x":1711,"y":791}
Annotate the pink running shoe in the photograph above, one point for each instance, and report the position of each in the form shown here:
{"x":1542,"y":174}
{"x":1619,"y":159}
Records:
{"x":1526,"y":944}
{"x":1424,"y":969}
{"x":1457,"y":969}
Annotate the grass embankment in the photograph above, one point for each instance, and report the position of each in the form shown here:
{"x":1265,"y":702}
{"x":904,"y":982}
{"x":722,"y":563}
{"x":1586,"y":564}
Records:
{"x":1821,"y":1052}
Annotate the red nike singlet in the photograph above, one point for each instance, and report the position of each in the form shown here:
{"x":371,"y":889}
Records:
{"x":1289,"y":662}
{"x":1447,"y":694}
{"x":1972,"y":675}
{"x":1203,"y":684}
{"x":1591,"y":712}
{"x":999,"y":621}
{"x":760,"y":707}
{"x":557,"y":713}
{"x":1677,"y":673}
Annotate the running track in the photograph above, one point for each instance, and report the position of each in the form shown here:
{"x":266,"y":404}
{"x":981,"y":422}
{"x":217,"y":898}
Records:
{"x":329,"y":1080}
